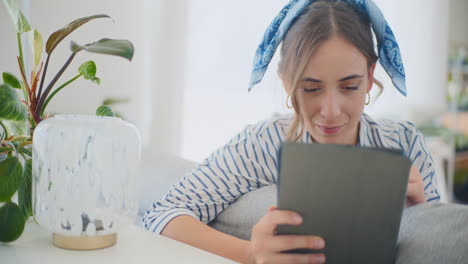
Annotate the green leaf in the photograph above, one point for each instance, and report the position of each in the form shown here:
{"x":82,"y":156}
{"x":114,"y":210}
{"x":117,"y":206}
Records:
{"x":24,"y":191}
{"x":111,"y":101}
{"x":59,"y":35}
{"x":11,"y":107}
{"x":35,"y":40}
{"x":10,"y":177}
{"x":17,"y":128}
{"x":118,"y":47}
{"x":6,"y":149}
{"x":104,"y":110}
{"x":11,"y":79}
{"x":11,"y":222}
{"x":20,"y":139}
{"x":20,"y":21}
{"x":26,"y":150}
{"x":3,"y":131}
{"x":88,"y":69}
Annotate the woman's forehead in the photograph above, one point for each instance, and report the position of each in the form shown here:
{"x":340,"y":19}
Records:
{"x":335,"y":59}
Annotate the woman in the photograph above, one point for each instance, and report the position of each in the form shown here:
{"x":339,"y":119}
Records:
{"x":327,"y":68}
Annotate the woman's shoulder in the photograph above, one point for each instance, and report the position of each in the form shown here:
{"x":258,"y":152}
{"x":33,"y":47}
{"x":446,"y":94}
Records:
{"x":390,"y":125}
{"x":277,"y":123}
{"x":269,"y":130}
{"x":390,"y":133}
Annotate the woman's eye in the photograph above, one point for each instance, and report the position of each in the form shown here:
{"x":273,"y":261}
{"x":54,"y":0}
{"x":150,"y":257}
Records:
{"x":350,"y":87}
{"x":311,"y":90}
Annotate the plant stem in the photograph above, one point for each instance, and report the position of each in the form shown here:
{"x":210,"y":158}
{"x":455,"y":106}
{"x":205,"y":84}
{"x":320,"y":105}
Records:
{"x":4,"y":129}
{"x":23,"y":76}
{"x":34,"y":81}
{"x":32,"y":125}
{"x":33,"y":119}
{"x":58,"y":90}
{"x":43,"y":77}
{"x":20,"y":47}
{"x":51,"y":84}
{"x":21,"y":61}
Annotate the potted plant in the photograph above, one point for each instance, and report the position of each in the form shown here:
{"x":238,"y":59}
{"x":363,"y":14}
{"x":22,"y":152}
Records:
{"x":20,"y":116}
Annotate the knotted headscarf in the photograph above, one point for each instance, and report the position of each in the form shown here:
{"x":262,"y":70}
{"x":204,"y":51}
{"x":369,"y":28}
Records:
{"x":388,"y":50}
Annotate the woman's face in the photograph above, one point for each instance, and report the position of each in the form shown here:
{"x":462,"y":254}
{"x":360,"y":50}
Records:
{"x":332,"y":93}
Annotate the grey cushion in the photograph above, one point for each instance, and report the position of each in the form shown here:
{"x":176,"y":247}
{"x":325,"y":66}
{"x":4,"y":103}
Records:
{"x":239,"y":218}
{"x":429,"y":233}
{"x":434,"y":233}
{"x":157,"y":174}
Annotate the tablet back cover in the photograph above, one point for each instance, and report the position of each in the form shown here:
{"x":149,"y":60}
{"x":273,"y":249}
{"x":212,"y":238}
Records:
{"x":352,"y":197}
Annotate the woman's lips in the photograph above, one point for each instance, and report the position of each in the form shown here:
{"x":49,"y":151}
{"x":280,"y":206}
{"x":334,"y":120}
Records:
{"x":329,"y":129}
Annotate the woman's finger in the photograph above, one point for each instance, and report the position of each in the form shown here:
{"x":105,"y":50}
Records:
{"x":415,"y":190}
{"x":268,"y":223}
{"x":414,"y":176}
{"x":297,"y":258}
{"x":415,"y":194}
{"x":289,"y":242}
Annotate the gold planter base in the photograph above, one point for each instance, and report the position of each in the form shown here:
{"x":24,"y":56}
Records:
{"x":84,"y":242}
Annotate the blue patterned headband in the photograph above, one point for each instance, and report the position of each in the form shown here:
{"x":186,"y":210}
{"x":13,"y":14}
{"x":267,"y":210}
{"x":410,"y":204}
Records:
{"x":389,"y":52}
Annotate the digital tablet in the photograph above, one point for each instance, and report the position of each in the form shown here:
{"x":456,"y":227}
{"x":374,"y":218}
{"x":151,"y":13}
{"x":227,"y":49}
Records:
{"x":352,"y":197}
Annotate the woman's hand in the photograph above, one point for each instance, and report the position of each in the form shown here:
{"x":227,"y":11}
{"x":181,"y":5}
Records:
{"x":415,"y":191}
{"x":266,"y":247}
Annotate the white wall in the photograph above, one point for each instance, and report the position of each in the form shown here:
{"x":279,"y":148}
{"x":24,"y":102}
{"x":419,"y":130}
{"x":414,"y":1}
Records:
{"x":8,"y":50}
{"x":119,"y":78}
{"x":421,"y":28}
{"x":222,"y":39}
{"x":168,"y":76}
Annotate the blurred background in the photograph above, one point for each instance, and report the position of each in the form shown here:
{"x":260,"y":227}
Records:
{"x":186,"y":88}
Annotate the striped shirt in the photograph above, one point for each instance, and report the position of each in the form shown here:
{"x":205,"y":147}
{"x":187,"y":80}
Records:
{"x":249,"y":161}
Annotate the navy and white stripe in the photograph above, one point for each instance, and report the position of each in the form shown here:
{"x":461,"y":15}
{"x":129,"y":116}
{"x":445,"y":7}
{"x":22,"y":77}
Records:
{"x":249,"y":161}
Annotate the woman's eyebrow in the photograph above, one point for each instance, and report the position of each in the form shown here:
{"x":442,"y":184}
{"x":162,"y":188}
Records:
{"x":311,"y":80}
{"x":354,"y":76}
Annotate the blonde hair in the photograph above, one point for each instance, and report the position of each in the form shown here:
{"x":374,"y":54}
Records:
{"x":321,"y":21}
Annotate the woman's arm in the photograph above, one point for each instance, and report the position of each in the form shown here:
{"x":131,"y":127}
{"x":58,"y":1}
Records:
{"x":237,"y":168}
{"x":415,"y":148}
{"x":415,"y":190}
{"x":189,"y":230}
{"x":265,"y":247}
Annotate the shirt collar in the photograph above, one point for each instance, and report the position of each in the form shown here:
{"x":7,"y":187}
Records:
{"x":364,"y":130}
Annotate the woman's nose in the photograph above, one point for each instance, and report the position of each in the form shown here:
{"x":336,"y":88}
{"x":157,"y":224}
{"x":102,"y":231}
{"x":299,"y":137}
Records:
{"x":330,"y":106}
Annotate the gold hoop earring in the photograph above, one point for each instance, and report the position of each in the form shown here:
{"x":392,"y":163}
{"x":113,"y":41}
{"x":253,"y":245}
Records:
{"x":368,"y":98}
{"x":288,"y":99}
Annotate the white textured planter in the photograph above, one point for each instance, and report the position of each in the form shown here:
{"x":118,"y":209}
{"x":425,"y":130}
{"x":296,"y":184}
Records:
{"x":83,"y":178}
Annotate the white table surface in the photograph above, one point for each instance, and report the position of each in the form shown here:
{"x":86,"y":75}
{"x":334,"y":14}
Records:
{"x":134,"y":245}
